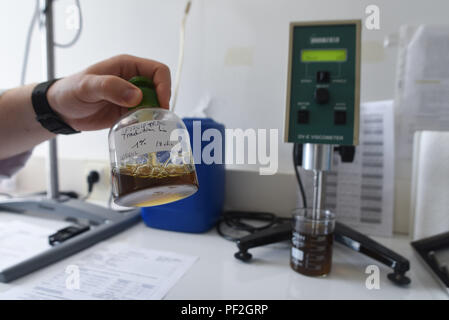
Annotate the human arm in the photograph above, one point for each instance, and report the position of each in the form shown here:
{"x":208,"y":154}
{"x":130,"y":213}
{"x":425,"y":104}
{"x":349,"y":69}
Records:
{"x":92,"y":99}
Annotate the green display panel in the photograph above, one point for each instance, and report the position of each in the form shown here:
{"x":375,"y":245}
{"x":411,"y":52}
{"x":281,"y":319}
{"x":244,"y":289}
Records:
{"x":323,"y":83}
{"x":337,"y":55}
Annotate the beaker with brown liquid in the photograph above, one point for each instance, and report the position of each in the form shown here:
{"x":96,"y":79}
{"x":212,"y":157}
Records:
{"x":312,"y":240}
{"x":151,"y":158}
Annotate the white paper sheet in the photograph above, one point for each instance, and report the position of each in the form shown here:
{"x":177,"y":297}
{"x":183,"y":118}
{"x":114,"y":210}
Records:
{"x":430,"y":184}
{"x":110,"y":271}
{"x":361,"y":193}
{"x":421,"y":101}
{"x":422,"y":94}
{"x":21,"y":240}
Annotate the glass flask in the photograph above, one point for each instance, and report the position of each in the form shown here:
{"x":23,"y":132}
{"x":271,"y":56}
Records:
{"x":151,"y":158}
{"x":312,"y":241}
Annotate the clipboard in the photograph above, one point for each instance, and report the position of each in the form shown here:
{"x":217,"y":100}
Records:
{"x":103,"y":223}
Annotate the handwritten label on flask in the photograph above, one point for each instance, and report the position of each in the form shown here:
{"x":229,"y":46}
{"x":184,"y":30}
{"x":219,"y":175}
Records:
{"x":144,"y":137}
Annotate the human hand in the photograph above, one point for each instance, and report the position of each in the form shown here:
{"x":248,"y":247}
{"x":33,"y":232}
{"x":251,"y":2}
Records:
{"x":97,"y":97}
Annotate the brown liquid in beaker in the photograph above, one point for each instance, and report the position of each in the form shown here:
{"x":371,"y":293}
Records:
{"x":312,"y":254}
{"x":145,"y":186}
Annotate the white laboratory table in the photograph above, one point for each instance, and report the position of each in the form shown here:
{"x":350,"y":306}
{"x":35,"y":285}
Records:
{"x":218,"y":275}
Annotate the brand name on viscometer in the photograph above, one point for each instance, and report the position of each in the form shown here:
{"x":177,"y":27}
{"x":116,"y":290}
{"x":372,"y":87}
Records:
{"x":316,"y":40}
{"x":320,"y":137}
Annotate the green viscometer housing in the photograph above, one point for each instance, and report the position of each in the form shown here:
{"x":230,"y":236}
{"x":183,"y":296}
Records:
{"x":323,"y":94}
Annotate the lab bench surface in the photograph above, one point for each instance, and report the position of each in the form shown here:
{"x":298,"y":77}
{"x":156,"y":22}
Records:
{"x":218,"y":275}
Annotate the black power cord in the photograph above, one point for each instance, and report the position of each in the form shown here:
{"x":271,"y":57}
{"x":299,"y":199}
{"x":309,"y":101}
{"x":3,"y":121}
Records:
{"x":297,"y":161}
{"x":237,"y":221}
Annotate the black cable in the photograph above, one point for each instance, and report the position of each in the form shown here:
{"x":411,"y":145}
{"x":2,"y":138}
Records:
{"x":235,"y":220}
{"x":298,"y":176}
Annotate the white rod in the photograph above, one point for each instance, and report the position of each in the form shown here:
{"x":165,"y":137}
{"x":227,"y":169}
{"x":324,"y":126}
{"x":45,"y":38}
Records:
{"x":180,"y":56}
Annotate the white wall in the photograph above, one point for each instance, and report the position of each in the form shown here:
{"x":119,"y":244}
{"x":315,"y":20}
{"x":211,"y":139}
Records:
{"x":251,"y":95}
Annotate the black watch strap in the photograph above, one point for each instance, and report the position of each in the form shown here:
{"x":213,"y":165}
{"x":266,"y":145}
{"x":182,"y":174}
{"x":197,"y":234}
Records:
{"x":49,"y":119}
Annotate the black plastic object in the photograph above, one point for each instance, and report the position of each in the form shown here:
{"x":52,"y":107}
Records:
{"x":344,"y":235}
{"x":340,"y":117}
{"x":68,"y":194}
{"x":65,"y":234}
{"x":323,"y":77}
{"x":303,"y":117}
{"x":92,"y":178}
{"x":322,"y":95}
{"x":427,"y":247}
{"x":347,"y":153}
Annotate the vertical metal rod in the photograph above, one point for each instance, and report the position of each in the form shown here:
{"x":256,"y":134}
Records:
{"x":317,"y":190}
{"x":48,"y":63}
{"x":318,"y":158}
{"x":318,"y":193}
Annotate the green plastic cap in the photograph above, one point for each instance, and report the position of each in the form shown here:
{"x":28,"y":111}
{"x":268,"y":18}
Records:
{"x":149,"y":96}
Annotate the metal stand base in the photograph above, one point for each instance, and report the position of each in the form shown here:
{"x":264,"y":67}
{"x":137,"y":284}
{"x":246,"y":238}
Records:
{"x":343,"y":235}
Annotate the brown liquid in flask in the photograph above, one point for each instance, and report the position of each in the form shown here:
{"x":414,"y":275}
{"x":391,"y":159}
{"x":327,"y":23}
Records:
{"x":143,"y":170}
{"x":144,"y":190}
{"x":312,"y":254}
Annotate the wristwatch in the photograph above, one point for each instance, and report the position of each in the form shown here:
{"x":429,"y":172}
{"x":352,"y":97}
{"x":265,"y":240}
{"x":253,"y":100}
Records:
{"x":49,"y":119}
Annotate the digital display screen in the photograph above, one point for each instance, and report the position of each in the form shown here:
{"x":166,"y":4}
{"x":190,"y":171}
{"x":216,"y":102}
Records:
{"x":326,"y":55}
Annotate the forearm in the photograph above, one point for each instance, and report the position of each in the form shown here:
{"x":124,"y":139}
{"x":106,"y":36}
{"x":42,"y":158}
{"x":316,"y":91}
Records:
{"x":19,"y":129}
{"x":92,"y":99}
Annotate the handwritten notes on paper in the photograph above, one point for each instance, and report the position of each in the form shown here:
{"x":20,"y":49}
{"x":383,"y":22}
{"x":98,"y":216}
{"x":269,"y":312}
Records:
{"x":144,"y":137}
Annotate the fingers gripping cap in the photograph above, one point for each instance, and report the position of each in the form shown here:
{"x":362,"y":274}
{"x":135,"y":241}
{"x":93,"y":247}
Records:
{"x":149,"y":96}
